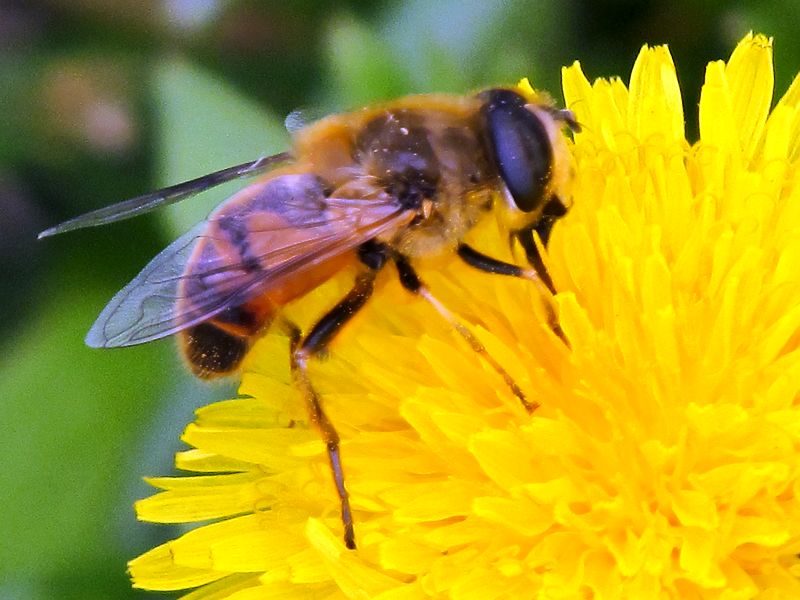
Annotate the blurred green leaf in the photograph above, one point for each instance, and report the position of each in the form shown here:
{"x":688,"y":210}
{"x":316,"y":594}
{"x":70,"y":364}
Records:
{"x":69,"y":417}
{"x":459,"y":45}
{"x":362,"y":66}
{"x":204,"y":125}
{"x":440,"y":42}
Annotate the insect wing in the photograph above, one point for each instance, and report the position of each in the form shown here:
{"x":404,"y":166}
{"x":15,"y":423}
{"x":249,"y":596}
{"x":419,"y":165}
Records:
{"x":300,"y":118}
{"x":169,"y":195}
{"x":148,"y":298}
{"x":260,"y":239}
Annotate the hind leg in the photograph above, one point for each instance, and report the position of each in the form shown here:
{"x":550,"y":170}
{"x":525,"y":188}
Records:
{"x":313,"y":344}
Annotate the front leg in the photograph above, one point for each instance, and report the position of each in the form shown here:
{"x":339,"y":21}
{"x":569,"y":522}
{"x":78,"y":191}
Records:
{"x":487,"y":264}
{"x":411,"y":281}
{"x":482,"y":262}
{"x":553,"y":210}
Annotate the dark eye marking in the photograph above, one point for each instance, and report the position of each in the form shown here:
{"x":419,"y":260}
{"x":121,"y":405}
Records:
{"x":521,"y":147}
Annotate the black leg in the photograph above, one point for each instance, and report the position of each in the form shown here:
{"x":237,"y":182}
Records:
{"x":491,"y":265}
{"x":329,"y":325}
{"x":553,"y":211}
{"x":411,"y":281}
{"x":303,"y":348}
{"x":482,"y":262}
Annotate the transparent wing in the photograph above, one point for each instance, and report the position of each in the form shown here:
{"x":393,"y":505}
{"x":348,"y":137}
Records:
{"x":302,"y":117}
{"x":169,"y":195}
{"x":260,"y":240}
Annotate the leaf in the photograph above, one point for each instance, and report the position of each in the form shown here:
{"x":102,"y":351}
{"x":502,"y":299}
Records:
{"x":204,"y":126}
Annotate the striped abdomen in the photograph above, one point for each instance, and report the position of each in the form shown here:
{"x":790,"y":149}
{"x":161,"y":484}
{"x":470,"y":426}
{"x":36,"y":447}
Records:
{"x":260,"y":250}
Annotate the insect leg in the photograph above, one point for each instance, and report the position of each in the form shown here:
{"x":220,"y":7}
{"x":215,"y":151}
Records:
{"x":315,"y":342}
{"x":488,"y":264}
{"x":553,"y":211}
{"x":411,"y":281}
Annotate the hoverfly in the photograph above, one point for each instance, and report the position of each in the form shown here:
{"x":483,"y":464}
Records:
{"x":386,"y":184}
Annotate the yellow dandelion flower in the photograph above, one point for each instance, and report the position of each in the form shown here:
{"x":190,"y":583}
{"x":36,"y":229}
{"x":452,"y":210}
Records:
{"x":664,"y":460}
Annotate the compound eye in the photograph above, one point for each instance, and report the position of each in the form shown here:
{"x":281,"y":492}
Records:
{"x":521,"y":147}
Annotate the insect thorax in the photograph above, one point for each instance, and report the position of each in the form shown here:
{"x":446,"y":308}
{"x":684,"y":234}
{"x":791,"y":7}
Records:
{"x":434,"y":163}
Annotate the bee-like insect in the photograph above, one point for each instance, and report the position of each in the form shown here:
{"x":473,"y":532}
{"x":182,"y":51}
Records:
{"x":388,"y":183}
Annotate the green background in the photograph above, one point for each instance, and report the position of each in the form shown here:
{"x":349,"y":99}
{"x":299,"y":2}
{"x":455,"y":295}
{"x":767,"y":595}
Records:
{"x":104,"y":100}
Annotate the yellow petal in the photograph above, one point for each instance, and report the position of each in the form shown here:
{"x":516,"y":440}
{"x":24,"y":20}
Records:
{"x":577,"y":94}
{"x":200,"y":498}
{"x":791,"y":104}
{"x":156,"y":570}
{"x":717,"y":123}
{"x":354,"y":578}
{"x":750,"y":82}
{"x":655,"y":105}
